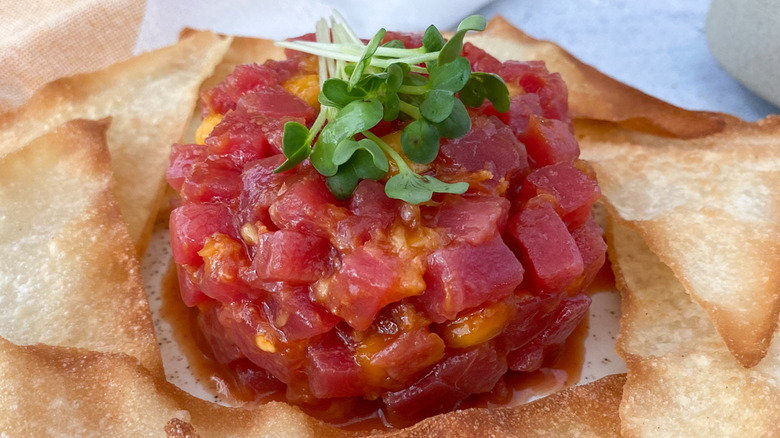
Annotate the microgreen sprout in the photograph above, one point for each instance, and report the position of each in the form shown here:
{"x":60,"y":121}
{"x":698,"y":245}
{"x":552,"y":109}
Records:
{"x":363,"y":84}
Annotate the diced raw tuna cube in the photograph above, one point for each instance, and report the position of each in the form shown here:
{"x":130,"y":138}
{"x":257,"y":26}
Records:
{"x":490,"y":145}
{"x":472,"y":219}
{"x":481,"y":60}
{"x":368,"y":279}
{"x":333,"y":371}
{"x":373,"y":212}
{"x":409,"y":353}
{"x":191,"y":294}
{"x":474,"y":371}
{"x":212,"y":181}
{"x":242,"y":80}
{"x":259,"y":341}
{"x":369,"y":201}
{"x":545,"y":246}
{"x":534,"y":77}
{"x":528,"y":358}
{"x":223,"y":260}
{"x":260,"y":187}
{"x":180,"y":163}
{"x":534,"y":313}
{"x":573,"y":191}
{"x":191,"y":224}
{"x":549,"y":141}
{"x":567,"y":316}
{"x":240,"y":139}
{"x":275,"y":103}
{"x":521,"y":108}
{"x":306,"y":205}
{"x":292,"y":257}
{"x":222,"y":347}
{"x":462,"y":276}
{"x":292,"y":311}
{"x":590,"y":242}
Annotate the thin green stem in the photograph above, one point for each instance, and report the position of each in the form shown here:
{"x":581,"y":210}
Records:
{"x":319,"y":122}
{"x":395,"y":156}
{"x":416,"y":90}
{"x":411,"y":110}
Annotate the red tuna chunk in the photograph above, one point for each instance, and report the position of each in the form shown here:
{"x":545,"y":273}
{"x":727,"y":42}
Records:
{"x":545,"y":246}
{"x":260,"y":187}
{"x":291,"y":256}
{"x":212,"y":181}
{"x":590,"y":242}
{"x":369,"y":279}
{"x":291,"y":310}
{"x":490,"y":145}
{"x":521,"y":108}
{"x":565,"y":319}
{"x":275,"y":103}
{"x":549,"y":141}
{"x":472,"y":219}
{"x":462,"y":276}
{"x":183,"y":157}
{"x":534,"y":77}
{"x":573,"y":191}
{"x":240,"y":139}
{"x":474,"y":371}
{"x":306,"y":205}
{"x":191,"y":224}
{"x":333,"y":371}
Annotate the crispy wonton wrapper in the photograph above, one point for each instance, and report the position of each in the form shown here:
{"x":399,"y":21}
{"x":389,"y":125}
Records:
{"x":69,"y":273}
{"x":150,"y":98}
{"x":682,"y":380}
{"x":709,"y":208}
{"x":86,"y":393}
{"x":592,"y":94}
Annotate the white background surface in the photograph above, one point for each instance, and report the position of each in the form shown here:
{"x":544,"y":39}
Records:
{"x":657,"y":46}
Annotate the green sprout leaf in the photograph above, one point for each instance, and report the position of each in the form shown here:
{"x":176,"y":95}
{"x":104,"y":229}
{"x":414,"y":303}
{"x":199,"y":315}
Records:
{"x":457,"y":124}
{"x":432,"y":39}
{"x":486,"y":85}
{"x":416,"y":189}
{"x":348,"y":147}
{"x":355,"y":117}
{"x":451,"y":76}
{"x":394,"y":44}
{"x":438,"y":105}
{"x":295,"y":145}
{"x":366,"y":58}
{"x":427,"y":88}
{"x":420,"y":141}
{"x":454,"y":46}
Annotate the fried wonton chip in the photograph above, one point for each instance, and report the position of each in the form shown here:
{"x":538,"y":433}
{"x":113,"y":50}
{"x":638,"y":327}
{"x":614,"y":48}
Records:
{"x":150,"y":98}
{"x":710,"y":209}
{"x":68,"y":271}
{"x":592,"y":94}
{"x":682,"y":380}
{"x":80,"y":393}
{"x":85,"y":393}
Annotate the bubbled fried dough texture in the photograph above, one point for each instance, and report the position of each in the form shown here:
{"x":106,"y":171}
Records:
{"x":90,"y":394}
{"x":68,"y":272}
{"x":710,"y":210}
{"x":592,"y":94}
{"x":150,"y":98}
{"x":682,"y":380}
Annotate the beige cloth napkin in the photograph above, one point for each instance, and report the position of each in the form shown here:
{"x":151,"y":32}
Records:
{"x":41,"y":40}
